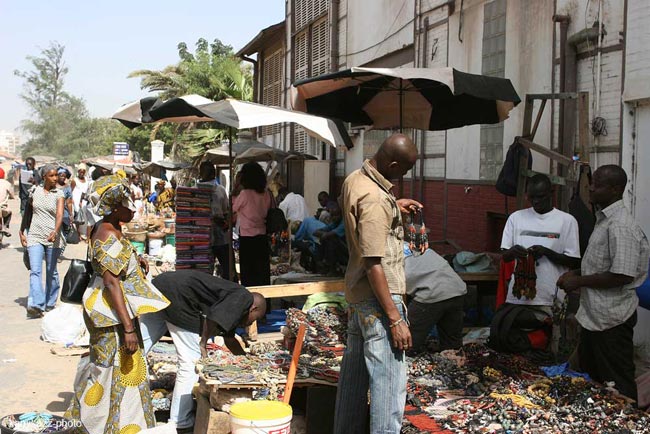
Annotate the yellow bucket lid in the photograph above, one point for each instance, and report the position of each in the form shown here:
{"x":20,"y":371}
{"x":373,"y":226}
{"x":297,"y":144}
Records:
{"x":260,"y":410}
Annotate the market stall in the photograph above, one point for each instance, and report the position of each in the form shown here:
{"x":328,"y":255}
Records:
{"x":474,"y":389}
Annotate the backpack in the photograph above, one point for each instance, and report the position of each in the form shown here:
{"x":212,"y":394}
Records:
{"x":509,"y":174}
{"x":512,"y":326}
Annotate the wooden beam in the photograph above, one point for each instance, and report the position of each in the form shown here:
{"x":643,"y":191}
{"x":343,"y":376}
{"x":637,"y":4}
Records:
{"x":296,"y":289}
{"x":540,"y":112}
{"x":560,"y":95}
{"x":528,"y":116}
{"x":556,"y":156}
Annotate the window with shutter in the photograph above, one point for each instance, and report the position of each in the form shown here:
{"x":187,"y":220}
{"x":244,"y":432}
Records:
{"x":301,"y":59}
{"x":272,"y":86}
{"x":311,"y":44}
{"x":320,"y":48}
{"x":301,"y":140}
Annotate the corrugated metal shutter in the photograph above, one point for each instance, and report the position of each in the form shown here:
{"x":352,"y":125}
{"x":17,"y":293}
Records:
{"x":272,"y":85}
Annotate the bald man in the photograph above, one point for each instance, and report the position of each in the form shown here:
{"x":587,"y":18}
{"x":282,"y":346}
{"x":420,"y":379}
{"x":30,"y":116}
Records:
{"x":614,"y":265}
{"x":375,"y":284}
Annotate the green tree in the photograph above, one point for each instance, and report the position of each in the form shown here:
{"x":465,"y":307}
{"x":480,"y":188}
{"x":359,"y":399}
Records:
{"x":59,"y":123}
{"x":213,"y":72}
{"x":43,"y":87}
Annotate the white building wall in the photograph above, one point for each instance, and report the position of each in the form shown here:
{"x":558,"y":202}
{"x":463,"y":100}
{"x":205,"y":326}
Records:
{"x":529,"y":68}
{"x":463,"y":153}
{"x":529,"y":65}
{"x":369,"y":29}
{"x":375,"y":28}
{"x":636,"y":114}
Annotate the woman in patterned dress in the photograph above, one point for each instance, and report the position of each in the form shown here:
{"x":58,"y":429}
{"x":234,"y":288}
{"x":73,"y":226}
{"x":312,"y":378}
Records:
{"x":112,"y":391}
{"x":43,"y":220}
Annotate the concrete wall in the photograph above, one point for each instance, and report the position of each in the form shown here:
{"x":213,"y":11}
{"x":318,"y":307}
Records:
{"x":636,"y":101}
{"x":375,"y":28}
{"x":605,"y":149}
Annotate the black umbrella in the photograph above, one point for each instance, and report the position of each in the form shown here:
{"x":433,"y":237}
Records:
{"x":422,"y":98}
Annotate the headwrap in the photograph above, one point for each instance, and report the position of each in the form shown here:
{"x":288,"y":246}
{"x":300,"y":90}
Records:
{"x":61,"y":170}
{"x":108,"y":192}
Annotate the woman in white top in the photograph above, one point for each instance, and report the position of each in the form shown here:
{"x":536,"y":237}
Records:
{"x":136,"y":195}
{"x":43,"y":220}
{"x":79,"y":187}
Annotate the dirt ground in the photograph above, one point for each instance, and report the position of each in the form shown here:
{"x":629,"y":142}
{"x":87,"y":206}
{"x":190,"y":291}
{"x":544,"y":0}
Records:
{"x":31,"y":377}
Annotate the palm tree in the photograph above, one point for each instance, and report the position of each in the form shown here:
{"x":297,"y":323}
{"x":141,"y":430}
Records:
{"x":212,"y":72}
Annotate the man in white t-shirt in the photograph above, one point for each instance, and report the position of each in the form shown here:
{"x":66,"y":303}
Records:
{"x":292,"y":205}
{"x":546,"y":233}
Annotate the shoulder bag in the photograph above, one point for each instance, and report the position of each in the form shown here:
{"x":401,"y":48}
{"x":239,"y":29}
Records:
{"x":76,"y":281}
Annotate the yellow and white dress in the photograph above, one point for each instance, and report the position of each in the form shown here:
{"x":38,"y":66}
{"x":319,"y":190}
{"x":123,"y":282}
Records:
{"x":112,"y":394}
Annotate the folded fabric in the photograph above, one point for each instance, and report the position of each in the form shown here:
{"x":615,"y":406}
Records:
{"x":563,"y":370}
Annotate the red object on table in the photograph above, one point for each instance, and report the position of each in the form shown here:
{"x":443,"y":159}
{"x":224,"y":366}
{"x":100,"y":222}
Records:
{"x":505,"y":272}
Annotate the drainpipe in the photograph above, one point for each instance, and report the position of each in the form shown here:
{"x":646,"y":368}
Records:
{"x":334,"y":35}
{"x":598,"y":74}
{"x":334,"y":66}
{"x":564,"y":21}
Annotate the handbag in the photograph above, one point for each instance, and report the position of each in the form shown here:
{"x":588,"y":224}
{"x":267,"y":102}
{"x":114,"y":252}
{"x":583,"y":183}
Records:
{"x":76,"y":281}
{"x":275,"y":219}
{"x":72,"y":237}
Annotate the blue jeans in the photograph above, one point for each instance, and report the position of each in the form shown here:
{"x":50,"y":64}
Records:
{"x":37,"y":297}
{"x":371,"y":362}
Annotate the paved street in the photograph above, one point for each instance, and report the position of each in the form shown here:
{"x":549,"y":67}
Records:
{"x":31,"y":377}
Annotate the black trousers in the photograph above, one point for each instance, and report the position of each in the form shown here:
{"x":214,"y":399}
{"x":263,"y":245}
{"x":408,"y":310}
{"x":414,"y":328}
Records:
{"x":446,"y":315}
{"x":221,"y":253}
{"x":254,"y":261}
{"x":608,"y":356}
{"x":334,"y":252}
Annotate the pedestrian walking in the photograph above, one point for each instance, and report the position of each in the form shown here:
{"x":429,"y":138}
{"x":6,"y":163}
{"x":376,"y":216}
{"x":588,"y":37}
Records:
{"x":43,"y":221}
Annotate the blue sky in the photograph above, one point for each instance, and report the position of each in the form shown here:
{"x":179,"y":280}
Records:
{"x":106,"y":40}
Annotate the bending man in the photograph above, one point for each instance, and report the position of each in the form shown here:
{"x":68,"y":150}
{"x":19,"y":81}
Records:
{"x":193,"y":294}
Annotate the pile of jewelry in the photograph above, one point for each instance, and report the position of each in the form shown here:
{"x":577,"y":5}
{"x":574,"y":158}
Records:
{"x":264,"y":368}
{"x":35,"y":422}
{"x":324,"y":342}
{"x":476,"y":389}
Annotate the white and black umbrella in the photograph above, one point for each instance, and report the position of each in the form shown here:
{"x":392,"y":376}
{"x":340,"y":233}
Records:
{"x":229,"y":112}
{"x":422,"y":98}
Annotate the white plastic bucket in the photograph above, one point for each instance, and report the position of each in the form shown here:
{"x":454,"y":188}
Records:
{"x":155,"y":244}
{"x":260,"y":417}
